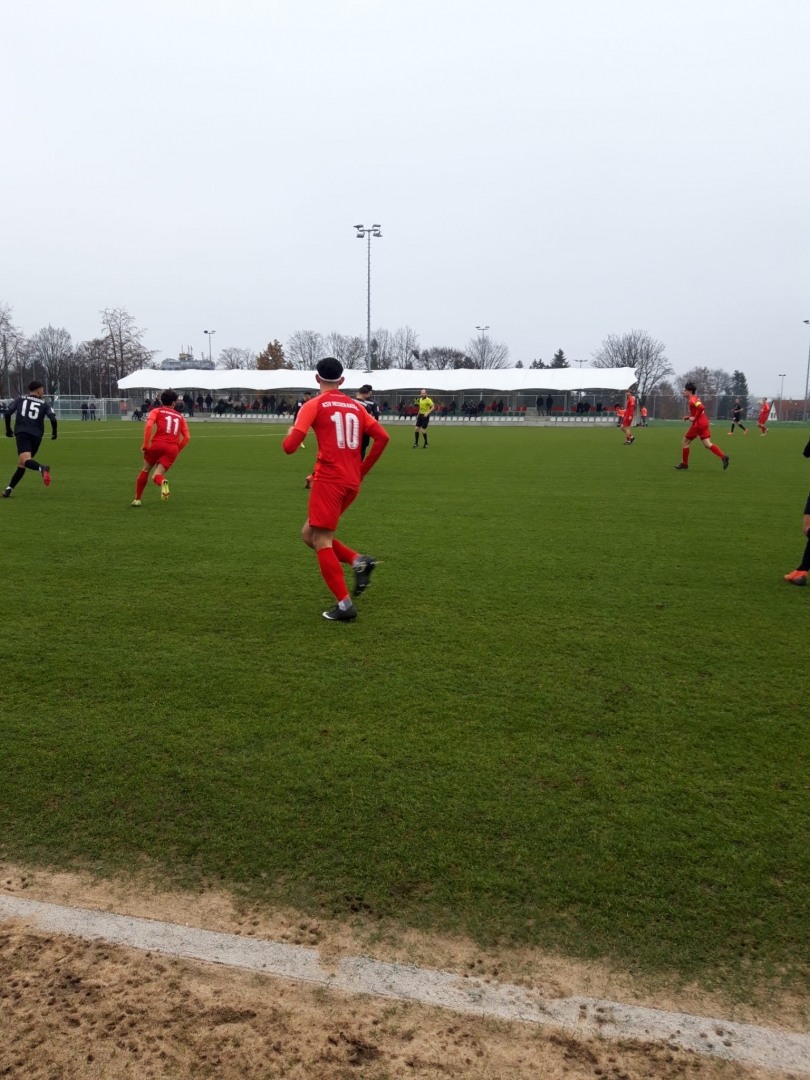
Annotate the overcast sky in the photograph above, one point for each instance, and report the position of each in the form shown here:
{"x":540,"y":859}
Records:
{"x":559,"y":170}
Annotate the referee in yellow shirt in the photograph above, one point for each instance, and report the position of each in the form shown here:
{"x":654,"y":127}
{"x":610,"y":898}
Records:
{"x":425,"y":407}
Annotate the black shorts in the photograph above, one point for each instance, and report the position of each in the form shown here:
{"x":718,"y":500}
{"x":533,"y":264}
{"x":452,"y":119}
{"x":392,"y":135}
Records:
{"x":27,"y":444}
{"x":422,"y":421}
{"x":807,"y":505}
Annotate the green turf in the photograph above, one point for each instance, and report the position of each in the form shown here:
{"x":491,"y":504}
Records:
{"x":573,"y":710}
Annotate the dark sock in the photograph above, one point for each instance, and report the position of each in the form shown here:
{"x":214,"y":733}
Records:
{"x":742,"y":426}
{"x":16,"y":478}
{"x":805,"y":563}
{"x":35,"y":465}
{"x":425,"y":438}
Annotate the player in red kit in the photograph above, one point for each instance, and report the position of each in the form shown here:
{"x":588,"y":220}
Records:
{"x":339,"y":423}
{"x":627,"y":419}
{"x":171,"y":435}
{"x":699,"y":428}
{"x":764,"y":413}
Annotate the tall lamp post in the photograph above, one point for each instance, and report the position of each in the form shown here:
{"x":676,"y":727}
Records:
{"x":781,"y":397}
{"x":210,"y":335}
{"x":483,"y":330}
{"x":807,"y":380}
{"x":366,"y":232}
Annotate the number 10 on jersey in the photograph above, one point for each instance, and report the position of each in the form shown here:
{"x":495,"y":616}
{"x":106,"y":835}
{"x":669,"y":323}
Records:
{"x":347,"y":430}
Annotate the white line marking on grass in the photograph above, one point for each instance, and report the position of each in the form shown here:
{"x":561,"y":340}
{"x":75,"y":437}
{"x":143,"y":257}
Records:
{"x":582,"y":1016}
{"x":257,"y":435}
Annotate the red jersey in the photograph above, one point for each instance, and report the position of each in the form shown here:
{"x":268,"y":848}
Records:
{"x":170,"y":427}
{"x":339,"y":423}
{"x":630,"y":407}
{"x":696,"y":409}
{"x":764,"y":412}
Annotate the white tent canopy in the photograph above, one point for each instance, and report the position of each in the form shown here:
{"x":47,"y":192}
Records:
{"x":392,"y":380}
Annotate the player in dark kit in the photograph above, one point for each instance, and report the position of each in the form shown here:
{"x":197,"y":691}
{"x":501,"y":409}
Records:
{"x":736,"y":417}
{"x":799,"y":576}
{"x":370,"y":405}
{"x":29,"y":429}
{"x":338,"y":423}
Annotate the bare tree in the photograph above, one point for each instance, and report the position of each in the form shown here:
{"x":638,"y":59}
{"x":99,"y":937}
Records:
{"x":442,"y":358}
{"x":404,"y":346}
{"x":382,"y":355}
{"x":233,"y":358}
{"x":51,"y":350}
{"x":713,"y":385}
{"x":127,"y":350}
{"x":638,"y":350}
{"x":349,"y":349}
{"x":94,"y":366}
{"x":304,"y":349}
{"x":12,"y":350}
{"x":486,"y":352}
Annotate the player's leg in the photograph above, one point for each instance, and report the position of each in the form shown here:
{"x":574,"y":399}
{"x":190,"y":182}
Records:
{"x":416,"y":434}
{"x":320,"y":540}
{"x":628,"y":434}
{"x":35,"y":466}
{"x":363,"y":565}
{"x":685,"y":448}
{"x":707,"y":442}
{"x":424,"y":431}
{"x":799,"y":575}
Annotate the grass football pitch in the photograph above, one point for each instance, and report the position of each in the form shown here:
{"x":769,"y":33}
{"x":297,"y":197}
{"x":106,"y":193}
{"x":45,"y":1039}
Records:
{"x":573,"y":710}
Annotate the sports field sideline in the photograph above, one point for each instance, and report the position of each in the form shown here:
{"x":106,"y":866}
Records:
{"x":573,"y":710}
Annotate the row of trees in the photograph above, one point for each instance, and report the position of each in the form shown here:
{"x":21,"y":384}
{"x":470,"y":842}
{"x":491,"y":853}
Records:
{"x":389,"y":349}
{"x":656,"y":376}
{"x":90,"y":367}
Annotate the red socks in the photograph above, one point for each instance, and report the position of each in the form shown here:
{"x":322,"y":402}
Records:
{"x":157,"y":479}
{"x":344,"y":553}
{"x":686,"y":450}
{"x":332,"y":573}
{"x":140,"y":483}
{"x":716,"y":450}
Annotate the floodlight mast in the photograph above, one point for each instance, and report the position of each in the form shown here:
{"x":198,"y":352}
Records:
{"x":363,"y":232}
{"x":210,"y":335}
{"x":483,"y":330}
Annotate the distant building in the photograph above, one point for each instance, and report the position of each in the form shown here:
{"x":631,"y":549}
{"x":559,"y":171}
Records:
{"x":187,"y":361}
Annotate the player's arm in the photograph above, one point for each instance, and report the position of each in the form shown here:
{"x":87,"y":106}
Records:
{"x":150,"y":426}
{"x":806,"y":450}
{"x":297,"y":433}
{"x":7,"y":415}
{"x":52,"y":417}
{"x":184,"y":434}
{"x":381,"y":439}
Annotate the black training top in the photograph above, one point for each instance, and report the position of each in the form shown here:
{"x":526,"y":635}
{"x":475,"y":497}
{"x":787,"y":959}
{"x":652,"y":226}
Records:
{"x":736,"y":412}
{"x":30,"y":412}
{"x":370,"y":405}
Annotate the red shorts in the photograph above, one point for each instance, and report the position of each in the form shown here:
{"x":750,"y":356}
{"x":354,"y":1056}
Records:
{"x":628,"y":421}
{"x":699,"y":431}
{"x":327,"y":502}
{"x":161,"y":453}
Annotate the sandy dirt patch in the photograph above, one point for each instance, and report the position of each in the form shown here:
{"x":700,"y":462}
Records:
{"x":86,"y":1010}
{"x":70,"y":1008}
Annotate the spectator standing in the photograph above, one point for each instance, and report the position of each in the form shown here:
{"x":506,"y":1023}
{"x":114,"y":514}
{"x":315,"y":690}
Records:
{"x":84,"y":410}
{"x":549,"y":405}
{"x":92,"y":410}
{"x":209,"y":401}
